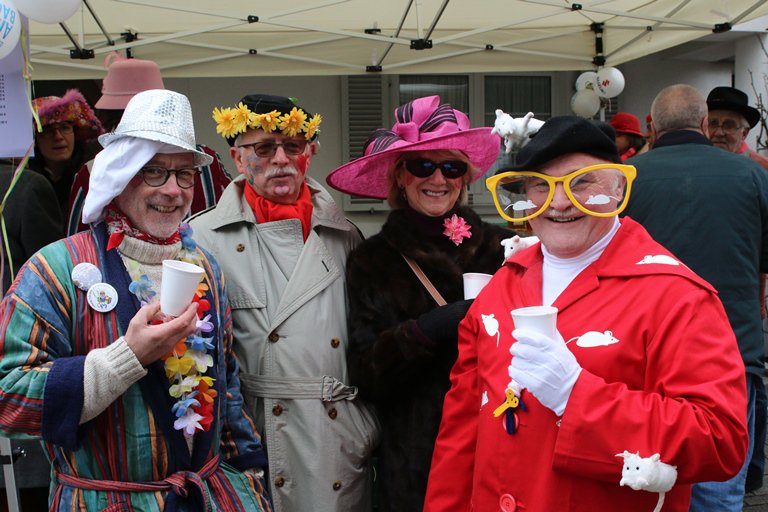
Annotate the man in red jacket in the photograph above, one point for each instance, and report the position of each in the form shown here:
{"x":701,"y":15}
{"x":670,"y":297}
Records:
{"x":642,"y":366}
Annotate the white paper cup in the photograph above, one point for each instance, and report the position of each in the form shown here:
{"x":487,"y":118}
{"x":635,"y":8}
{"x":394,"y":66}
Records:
{"x":474,"y":282}
{"x":178,"y":286}
{"x":541,"y":319}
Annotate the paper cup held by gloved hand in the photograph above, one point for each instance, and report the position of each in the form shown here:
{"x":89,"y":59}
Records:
{"x":473,"y":283}
{"x":541,"y":319}
{"x":178,"y":286}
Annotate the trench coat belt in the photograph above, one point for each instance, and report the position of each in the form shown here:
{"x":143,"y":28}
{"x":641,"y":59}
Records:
{"x":326,"y":388}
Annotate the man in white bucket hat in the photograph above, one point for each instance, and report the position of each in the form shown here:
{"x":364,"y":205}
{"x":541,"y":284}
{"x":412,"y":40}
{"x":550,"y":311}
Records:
{"x":125,"y":78}
{"x":137,"y":409}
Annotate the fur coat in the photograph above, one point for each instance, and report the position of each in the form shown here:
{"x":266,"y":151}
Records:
{"x":395,"y":367}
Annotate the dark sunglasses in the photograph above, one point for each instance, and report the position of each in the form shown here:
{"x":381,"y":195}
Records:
{"x":423,"y":168}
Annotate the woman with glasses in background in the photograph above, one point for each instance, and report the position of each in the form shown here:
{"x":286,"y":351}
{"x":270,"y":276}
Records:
{"x":68,"y":123}
{"x":403,"y":338}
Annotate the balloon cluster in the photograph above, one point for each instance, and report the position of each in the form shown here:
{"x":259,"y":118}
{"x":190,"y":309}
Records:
{"x":591,"y":86}
{"x":44,"y":11}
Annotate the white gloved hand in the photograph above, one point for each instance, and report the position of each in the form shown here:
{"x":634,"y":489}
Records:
{"x":516,"y":244}
{"x":544,"y":366}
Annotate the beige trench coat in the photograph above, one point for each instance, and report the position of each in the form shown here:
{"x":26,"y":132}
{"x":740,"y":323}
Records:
{"x":288,"y":303}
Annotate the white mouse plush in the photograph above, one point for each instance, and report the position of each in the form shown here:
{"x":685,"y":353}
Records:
{"x":515,"y":132}
{"x":516,"y":244}
{"x":647,"y":474}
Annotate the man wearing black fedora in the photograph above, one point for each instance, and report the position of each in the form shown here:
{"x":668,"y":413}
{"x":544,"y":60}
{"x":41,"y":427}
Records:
{"x":730,"y":120}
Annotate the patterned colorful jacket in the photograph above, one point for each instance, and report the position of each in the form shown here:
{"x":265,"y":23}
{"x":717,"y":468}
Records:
{"x":47,"y":328}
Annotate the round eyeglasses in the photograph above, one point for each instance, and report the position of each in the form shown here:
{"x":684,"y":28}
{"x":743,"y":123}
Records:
{"x":728,"y":126}
{"x":599,"y":190}
{"x":50,"y":130}
{"x":424,"y":168}
{"x":158,"y":176}
{"x":267,"y":149}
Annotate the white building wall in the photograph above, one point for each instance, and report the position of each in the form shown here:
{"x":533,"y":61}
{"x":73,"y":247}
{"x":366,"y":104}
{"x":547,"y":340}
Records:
{"x":647,"y":76}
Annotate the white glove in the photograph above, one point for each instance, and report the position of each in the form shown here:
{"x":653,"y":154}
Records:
{"x":545,"y":367}
{"x":516,"y":244}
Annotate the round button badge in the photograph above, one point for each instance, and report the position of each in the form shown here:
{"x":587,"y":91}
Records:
{"x":85,"y":275}
{"x":102,"y":297}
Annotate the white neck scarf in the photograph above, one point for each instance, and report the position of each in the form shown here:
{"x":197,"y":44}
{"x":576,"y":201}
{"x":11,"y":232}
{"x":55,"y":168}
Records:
{"x":557,"y":273}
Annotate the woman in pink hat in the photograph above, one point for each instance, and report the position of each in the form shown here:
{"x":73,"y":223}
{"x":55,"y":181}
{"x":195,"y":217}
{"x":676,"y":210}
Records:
{"x":68,"y":122}
{"x":629,"y":138}
{"x":403,"y":341}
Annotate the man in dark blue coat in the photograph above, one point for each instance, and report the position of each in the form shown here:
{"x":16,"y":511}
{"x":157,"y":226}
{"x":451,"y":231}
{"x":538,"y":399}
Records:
{"x":710,"y":208}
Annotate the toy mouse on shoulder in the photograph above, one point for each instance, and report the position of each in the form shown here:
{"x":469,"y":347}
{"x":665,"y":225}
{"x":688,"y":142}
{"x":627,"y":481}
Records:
{"x":515,"y":131}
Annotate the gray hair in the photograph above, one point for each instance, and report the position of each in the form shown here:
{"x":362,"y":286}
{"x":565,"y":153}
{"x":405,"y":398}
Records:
{"x":678,"y":107}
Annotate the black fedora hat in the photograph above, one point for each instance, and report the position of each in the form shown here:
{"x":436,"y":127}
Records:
{"x":730,"y":98}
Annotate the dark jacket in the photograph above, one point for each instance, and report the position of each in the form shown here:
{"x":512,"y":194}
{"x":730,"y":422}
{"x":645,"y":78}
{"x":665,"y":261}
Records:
{"x":393,"y":365}
{"x":32,"y":217}
{"x":710,"y":208}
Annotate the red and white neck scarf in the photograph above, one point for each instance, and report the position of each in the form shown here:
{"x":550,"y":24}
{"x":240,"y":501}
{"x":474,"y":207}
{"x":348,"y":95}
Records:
{"x":118,"y":227}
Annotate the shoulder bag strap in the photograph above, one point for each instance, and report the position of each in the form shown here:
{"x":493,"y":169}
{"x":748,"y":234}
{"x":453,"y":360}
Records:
{"x":425,"y":280}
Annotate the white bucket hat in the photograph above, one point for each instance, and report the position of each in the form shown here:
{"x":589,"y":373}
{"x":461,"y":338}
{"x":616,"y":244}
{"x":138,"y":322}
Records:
{"x":159,"y":115}
{"x":154,"y":121}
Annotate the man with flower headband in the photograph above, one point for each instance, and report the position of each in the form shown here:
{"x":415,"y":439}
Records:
{"x":641,"y":364}
{"x":138,"y":410}
{"x":283,"y":243}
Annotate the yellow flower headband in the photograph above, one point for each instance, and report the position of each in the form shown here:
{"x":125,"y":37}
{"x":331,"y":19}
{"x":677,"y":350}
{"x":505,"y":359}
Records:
{"x":231,"y":121}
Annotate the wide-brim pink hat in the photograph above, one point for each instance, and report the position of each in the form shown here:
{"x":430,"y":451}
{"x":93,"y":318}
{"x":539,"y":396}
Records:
{"x":423,"y":124}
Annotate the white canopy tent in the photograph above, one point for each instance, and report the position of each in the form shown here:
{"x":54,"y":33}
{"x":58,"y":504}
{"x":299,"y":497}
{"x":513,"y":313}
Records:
{"x":200,"y":38}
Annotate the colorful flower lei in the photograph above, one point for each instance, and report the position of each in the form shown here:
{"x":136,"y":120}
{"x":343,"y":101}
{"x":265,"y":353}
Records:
{"x":189,"y":361}
{"x":231,"y":121}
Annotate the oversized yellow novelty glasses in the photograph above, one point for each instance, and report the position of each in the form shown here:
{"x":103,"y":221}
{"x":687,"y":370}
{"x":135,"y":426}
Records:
{"x":600,"y":190}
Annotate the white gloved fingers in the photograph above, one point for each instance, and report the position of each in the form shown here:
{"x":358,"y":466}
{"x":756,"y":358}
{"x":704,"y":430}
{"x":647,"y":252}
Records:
{"x":525,"y":350}
{"x":536,"y":338}
{"x":545,"y":366}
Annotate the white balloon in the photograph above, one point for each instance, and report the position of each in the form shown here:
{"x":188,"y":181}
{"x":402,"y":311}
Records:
{"x":48,"y":11}
{"x":610,"y":82}
{"x":586,"y":80}
{"x":585,"y":103}
{"x":10,"y":28}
